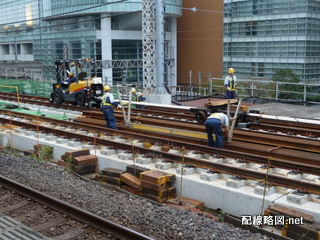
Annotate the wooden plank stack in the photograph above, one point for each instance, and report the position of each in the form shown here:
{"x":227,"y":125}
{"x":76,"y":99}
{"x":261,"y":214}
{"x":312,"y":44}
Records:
{"x":112,"y":176}
{"x":80,"y":161}
{"x":308,"y":229}
{"x":156,"y":185}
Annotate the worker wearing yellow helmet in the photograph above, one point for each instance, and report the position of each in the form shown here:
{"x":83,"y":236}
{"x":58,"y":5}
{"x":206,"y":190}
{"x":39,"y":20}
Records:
{"x":230,"y":82}
{"x":107,"y":104}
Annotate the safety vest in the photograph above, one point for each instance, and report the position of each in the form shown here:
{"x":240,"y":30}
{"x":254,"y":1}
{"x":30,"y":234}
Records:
{"x":232,"y":82}
{"x":106,"y":100}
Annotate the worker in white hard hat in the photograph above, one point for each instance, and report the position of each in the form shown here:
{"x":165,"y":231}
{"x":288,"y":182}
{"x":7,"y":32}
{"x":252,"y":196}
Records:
{"x":230,"y":82}
{"x":73,"y":69}
{"x":107,"y":104}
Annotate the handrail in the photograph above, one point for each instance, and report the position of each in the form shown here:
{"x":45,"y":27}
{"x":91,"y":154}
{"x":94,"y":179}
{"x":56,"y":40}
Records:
{"x":17,"y":91}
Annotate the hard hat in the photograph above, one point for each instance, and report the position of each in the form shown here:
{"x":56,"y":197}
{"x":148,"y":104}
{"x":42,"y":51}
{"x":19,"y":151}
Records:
{"x":133,"y":90}
{"x":73,"y":64}
{"x":106,"y":88}
{"x":70,"y":74}
{"x":230,"y":70}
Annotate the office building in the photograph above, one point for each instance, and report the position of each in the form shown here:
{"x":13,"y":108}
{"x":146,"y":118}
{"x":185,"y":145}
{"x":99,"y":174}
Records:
{"x":263,"y":36}
{"x":49,"y":30}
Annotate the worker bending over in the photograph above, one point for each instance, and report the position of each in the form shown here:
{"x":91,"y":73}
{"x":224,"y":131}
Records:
{"x":107,"y":104}
{"x":217,"y":123}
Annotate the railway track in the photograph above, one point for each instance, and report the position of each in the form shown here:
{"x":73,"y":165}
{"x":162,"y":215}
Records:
{"x":53,"y":126}
{"x":56,"y":219}
{"x":181,"y":118}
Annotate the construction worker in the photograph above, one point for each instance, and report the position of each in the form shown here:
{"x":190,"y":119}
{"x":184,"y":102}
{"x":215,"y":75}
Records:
{"x":217,"y":123}
{"x":107,"y":104}
{"x":230,"y":82}
{"x":71,"y":78}
{"x":137,"y":97}
{"x":73,"y":69}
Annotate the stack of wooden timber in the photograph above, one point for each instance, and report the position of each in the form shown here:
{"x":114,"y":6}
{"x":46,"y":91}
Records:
{"x":152,"y":184}
{"x":130,"y":180}
{"x":112,"y":176}
{"x":80,"y":161}
{"x":303,"y":228}
{"x":156,"y":185}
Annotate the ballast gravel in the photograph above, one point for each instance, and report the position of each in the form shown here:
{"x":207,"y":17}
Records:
{"x":154,"y":220}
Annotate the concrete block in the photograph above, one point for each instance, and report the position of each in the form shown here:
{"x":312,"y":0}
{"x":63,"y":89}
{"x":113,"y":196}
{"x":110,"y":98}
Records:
{"x":195,"y":155}
{"x":20,"y":130}
{"x":296,"y":176}
{"x":234,"y":183}
{"x":217,"y":160}
{"x":173,"y":151}
{"x":30,"y":133}
{"x":185,"y":170}
{"x":83,"y":132}
{"x":108,"y":151}
{"x":267,"y":191}
{"x":209,"y":177}
{"x":125,"y":156}
{"x":62,"y":128}
{"x":74,"y":143}
{"x":297,"y":199}
{"x":228,"y":160}
{"x":164,"y":165}
{"x":121,"y":139}
{"x":144,"y":160}
{"x":62,"y":140}
{"x":50,"y":138}
{"x":90,"y":146}
{"x":41,"y":135}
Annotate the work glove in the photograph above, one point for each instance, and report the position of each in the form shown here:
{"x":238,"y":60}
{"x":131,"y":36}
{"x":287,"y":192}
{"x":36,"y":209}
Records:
{"x":119,"y":106}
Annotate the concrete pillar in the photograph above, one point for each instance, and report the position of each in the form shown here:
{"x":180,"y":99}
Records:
{"x":106,"y":47}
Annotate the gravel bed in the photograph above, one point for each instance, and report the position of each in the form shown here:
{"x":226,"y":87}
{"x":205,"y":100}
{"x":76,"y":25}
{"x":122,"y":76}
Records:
{"x":155,"y":220}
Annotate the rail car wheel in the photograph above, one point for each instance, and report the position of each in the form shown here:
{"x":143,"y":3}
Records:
{"x":57,"y":97}
{"x":201,"y":117}
{"x":80,"y":99}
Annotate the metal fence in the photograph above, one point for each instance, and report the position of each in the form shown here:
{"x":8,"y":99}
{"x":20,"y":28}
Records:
{"x":271,"y":90}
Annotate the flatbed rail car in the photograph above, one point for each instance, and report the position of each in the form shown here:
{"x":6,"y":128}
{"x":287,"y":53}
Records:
{"x":221,"y":105}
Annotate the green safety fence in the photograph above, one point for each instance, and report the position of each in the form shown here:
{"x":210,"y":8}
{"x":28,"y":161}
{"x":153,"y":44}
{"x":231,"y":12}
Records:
{"x":37,"y":88}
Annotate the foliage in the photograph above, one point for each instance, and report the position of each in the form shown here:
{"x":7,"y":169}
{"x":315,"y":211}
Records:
{"x":285,"y":75}
{"x":288,"y":91}
{"x":44,"y":153}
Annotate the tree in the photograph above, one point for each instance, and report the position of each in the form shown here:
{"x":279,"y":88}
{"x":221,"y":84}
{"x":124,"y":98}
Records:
{"x":288,"y":91}
{"x":285,"y":75}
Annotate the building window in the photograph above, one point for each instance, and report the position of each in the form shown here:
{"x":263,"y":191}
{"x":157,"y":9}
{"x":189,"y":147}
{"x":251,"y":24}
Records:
{"x":260,"y":69}
{"x":251,"y":28}
{"x":5,"y":49}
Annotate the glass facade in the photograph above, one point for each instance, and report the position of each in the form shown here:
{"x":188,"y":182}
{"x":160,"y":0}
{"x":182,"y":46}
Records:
{"x":46,"y":30}
{"x":261,"y":37}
